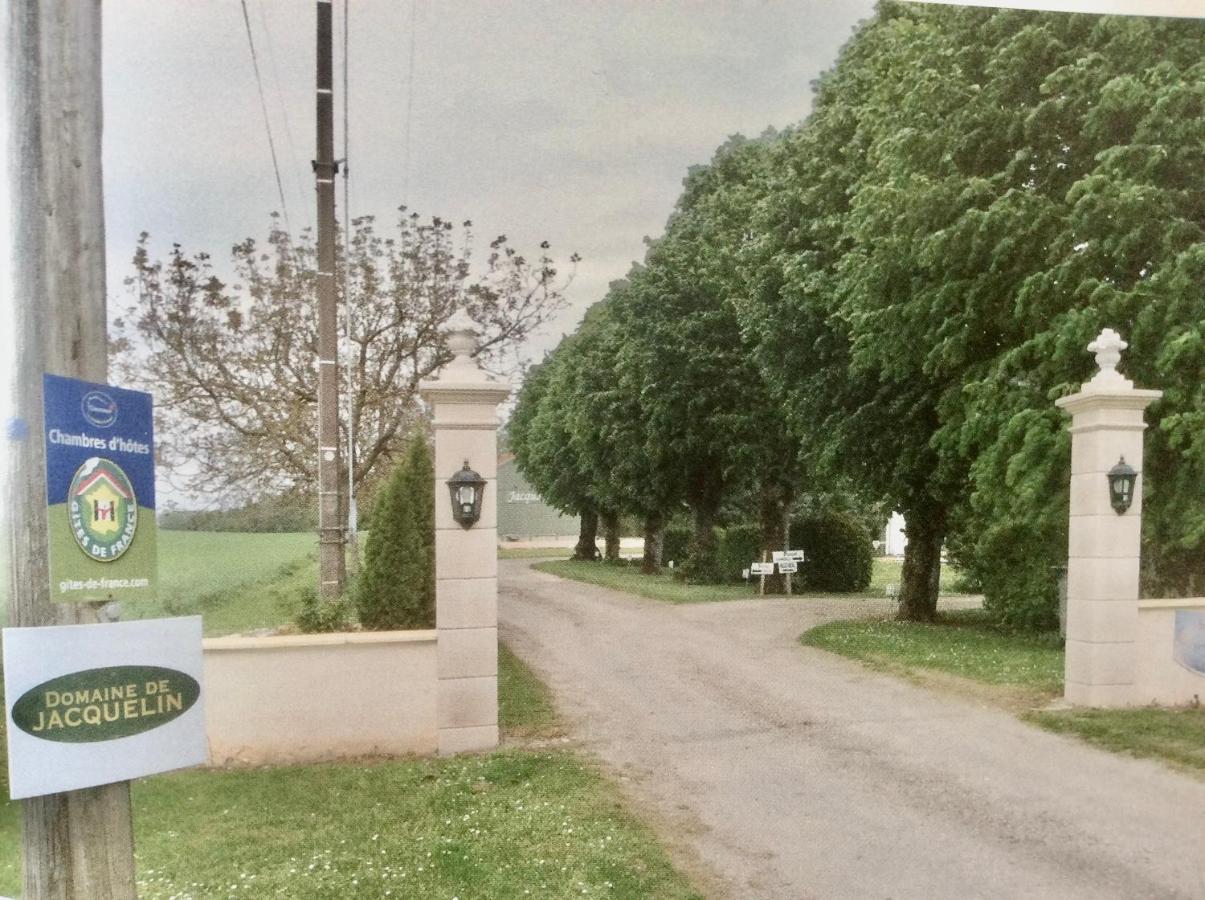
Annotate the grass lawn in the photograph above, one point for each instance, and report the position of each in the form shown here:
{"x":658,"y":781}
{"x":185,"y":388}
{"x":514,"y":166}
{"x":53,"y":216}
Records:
{"x":665,"y":587}
{"x":1016,"y":670}
{"x":1172,"y":735}
{"x":516,"y":823}
{"x":963,"y":643}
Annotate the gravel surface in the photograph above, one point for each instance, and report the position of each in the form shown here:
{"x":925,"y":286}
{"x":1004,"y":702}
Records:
{"x":782,"y":771}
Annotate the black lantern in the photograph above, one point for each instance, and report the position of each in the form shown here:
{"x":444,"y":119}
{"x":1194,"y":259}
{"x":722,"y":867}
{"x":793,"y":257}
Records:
{"x":1121,"y":486}
{"x":467,"y":489}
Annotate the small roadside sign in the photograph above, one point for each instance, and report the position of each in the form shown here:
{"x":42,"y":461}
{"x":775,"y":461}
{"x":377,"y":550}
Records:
{"x":100,"y":491}
{"x":778,"y":555}
{"x":788,"y":566}
{"x":762,"y":568}
{"x":796,"y":555}
{"x":94,"y":704}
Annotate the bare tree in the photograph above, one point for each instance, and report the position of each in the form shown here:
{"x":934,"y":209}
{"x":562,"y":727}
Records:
{"x":232,"y":365}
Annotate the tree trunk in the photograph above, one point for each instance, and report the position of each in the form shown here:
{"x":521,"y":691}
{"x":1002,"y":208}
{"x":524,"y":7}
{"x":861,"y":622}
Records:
{"x":76,"y":844}
{"x":775,"y":503}
{"x":701,"y":564}
{"x":922,"y":565}
{"x":610,"y":524}
{"x":587,"y":536}
{"x":654,"y":539}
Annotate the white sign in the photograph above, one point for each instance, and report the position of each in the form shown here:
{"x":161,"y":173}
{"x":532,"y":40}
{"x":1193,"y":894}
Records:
{"x":760,"y":568}
{"x":93,"y":704}
{"x":796,"y":555}
{"x":788,"y":566}
{"x":778,"y":555}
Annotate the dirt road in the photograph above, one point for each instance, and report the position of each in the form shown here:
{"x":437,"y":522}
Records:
{"x":793,"y":773}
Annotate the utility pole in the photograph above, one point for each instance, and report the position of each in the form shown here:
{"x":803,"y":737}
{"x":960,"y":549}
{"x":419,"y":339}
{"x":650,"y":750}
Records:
{"x":76,"y":845}
{"x":331,"y":562}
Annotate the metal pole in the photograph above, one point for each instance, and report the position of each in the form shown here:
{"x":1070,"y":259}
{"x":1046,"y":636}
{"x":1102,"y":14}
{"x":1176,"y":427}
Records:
{"x":330,"y":529}
{"x":76,"y":844}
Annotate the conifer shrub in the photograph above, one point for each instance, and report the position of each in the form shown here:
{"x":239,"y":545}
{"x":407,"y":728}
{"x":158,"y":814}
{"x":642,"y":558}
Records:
{"x":837,"y":552}
{"x":396,"y":587}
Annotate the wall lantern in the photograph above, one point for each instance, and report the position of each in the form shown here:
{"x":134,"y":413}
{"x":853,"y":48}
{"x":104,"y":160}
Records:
{"x":467,"y":488}
{"x":1121,"y":485}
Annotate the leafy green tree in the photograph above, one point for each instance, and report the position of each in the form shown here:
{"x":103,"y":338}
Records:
{"x":396,"y":589}
{"x":540,"y":436}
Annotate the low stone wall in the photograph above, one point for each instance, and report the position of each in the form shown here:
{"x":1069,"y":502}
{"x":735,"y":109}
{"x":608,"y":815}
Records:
{"x":1169,"y":666}
{"x":307,"y":698}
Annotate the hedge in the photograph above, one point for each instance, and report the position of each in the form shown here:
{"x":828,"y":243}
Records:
{"x":837,"y":552}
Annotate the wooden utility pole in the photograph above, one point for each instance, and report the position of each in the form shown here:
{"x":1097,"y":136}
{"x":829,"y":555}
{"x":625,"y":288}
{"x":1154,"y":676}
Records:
{"x":77,"y":845}
{"x":331,"y":562}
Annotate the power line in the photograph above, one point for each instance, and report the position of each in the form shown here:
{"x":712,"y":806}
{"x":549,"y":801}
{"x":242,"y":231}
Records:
{"x":284,"y":208}
{"x":284,"y":107}
{"x":352,"y":523}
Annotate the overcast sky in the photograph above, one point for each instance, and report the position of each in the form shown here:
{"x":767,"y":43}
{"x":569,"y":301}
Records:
{"x":572,"y":121}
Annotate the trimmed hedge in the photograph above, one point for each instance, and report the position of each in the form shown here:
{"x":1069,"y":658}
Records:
{"x":739,"y":546}
{"x":837,"y":552}
{"x":675,"y":543}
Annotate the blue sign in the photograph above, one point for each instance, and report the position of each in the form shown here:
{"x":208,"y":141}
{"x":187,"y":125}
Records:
{"x":100,"y":490}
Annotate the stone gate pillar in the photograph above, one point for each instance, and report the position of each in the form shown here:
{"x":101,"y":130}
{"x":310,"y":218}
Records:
{"x":1107,"y":424}
{"x":464,"y":399}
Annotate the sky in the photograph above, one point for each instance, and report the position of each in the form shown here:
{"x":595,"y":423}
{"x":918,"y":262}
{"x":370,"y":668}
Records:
{"x":572,"y":122}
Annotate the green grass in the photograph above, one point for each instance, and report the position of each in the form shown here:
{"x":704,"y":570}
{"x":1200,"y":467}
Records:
{"x":515,"y":823}
{"x":235,"y":582}
{"x":656,"y":587}
{"x":1173,"y":735}
{"x":525,"y":708}
{"x":964,"y":643}
{"x":664,"y":587}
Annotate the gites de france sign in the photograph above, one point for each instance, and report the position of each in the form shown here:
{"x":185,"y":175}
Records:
{"x":100,"y":490}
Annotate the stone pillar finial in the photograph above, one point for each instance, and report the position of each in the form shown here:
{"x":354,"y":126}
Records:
{"x":1107,"y":347}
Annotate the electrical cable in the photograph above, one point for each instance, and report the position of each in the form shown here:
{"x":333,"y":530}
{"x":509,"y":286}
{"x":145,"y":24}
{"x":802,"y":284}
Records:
{"x":298,"y":169}
{"x":267,"y":123}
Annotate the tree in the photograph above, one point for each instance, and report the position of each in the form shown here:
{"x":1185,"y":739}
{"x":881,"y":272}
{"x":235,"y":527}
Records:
{"x":232,"y":364}
{"x":539,"y":436}
{"x":396,"y":589}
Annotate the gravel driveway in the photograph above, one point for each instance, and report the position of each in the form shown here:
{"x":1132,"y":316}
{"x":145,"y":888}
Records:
{"x":783,"y":771}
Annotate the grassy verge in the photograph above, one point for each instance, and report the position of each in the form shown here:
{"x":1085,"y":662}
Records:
{"x":964,"y":643}
{"x":965,"y":652}
{"x":664,"y":587}
{"x":655,"y":587}
{"x":525,"y":708}
{"x":513,"y":824}
{"x":1172,"y":735}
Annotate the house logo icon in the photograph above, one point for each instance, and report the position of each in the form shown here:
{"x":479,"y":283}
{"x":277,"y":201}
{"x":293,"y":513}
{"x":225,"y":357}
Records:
{"x":99,"y":408}
{"x":102,"y":509}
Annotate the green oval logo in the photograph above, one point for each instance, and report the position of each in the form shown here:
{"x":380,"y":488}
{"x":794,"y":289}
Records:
{"x":103,"y":509}
{"x":105,"y":704}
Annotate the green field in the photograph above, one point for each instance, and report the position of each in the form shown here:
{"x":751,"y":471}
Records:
{"x":236,"y":582}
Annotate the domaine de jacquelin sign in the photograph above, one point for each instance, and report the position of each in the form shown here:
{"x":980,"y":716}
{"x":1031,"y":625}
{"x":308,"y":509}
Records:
{"x":94,"y":704}
{"x":100,"y":487}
